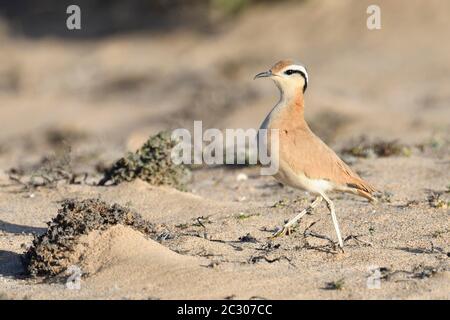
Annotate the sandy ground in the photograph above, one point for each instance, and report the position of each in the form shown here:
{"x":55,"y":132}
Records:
{"x":106,"y":96}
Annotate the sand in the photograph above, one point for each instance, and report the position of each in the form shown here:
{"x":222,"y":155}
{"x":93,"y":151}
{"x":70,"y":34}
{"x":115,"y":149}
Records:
{"x":214,"y":241}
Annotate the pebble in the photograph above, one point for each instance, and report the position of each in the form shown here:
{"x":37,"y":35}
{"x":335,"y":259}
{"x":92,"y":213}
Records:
{"x":241,"y":177}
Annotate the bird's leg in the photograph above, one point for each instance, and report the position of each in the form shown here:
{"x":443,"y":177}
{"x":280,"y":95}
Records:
{"x":334,"y":218}
{"x":287,"y":227}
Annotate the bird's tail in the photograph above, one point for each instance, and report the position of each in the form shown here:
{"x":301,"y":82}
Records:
{"x":366,"y":195}
{"x":363,"y":189}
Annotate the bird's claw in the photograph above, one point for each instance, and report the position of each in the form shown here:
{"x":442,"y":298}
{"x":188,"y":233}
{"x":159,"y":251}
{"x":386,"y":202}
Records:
{"x":284,"y":231}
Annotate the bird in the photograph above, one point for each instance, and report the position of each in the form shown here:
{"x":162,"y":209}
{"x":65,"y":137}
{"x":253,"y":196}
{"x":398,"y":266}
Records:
{"x":305,"y":161}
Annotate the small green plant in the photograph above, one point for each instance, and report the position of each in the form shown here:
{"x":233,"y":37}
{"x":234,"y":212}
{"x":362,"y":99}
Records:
{"x":438,"y":200}
{"x":182,"y":226}
{"x":151,"y":163}
{"x":439,"y":233}
{"x":335,"y":285}
{"x":281,"y":203}
{"x":243,"y":216}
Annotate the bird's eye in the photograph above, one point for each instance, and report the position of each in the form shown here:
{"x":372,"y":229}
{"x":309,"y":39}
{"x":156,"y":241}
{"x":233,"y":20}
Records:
{"x":289,"y":72}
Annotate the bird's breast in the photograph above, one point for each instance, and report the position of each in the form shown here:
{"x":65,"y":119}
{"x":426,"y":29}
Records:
{"x":299,"y":180}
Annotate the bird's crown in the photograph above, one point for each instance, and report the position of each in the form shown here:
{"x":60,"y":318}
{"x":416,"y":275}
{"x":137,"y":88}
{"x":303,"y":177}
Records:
{"x":288,"y":67}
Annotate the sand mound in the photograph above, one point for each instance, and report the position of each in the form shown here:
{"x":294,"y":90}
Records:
{"x":120,"y":258}
{"x":121,"y":247}
{"x":112,"y":247}
{"x":57,"y":249}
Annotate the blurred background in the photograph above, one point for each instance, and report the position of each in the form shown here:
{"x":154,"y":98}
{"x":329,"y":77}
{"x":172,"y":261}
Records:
{"x":72,"y":102}
{"x":137,"y":67}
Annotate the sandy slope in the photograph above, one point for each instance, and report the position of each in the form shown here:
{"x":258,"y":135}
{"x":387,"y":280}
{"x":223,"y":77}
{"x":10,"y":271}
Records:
{"x":214,"y":263}
{"x":109,"y":95}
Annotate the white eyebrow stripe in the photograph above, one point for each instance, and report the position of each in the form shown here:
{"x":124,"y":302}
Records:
{"x":299,"y":68}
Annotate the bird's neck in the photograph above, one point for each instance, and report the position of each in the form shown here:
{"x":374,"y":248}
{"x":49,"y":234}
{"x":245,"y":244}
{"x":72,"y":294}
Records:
{"x":290,"y":108}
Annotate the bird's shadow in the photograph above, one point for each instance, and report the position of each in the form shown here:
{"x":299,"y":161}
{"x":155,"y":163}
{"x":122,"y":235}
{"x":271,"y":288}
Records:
{"x":11,"y":264}
{"x":20,"y":229}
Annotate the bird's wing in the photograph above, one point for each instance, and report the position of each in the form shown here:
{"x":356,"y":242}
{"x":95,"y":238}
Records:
{"x":305,"y":152}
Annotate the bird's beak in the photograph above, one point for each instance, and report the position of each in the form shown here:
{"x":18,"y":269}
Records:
{"x":264,"y":74}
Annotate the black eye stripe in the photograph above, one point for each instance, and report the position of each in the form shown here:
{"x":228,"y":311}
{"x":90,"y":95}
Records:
{"x":292,"y":71}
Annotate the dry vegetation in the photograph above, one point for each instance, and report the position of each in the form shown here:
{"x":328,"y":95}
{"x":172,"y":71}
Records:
{"x":82,"y":111}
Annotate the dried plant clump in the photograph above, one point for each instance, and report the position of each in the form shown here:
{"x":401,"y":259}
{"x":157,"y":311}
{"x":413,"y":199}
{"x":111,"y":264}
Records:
{"x":439,"y":199}
{"x":49,"y":172}
{"x":419,"y":272}
{"x":53,"y":252}
{"x":151,"y":163}
{"x":384,"y":196}
{"x":437,"y":144}
{"x":366,"y":149}
{"x":248,"y":238}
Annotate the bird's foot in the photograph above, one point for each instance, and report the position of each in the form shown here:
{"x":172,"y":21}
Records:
{"x":284,"y":231}
{"x":338,"y":247}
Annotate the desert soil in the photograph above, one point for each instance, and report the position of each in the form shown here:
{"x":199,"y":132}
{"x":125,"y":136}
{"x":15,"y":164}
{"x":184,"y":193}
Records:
{"x":107,"y":96}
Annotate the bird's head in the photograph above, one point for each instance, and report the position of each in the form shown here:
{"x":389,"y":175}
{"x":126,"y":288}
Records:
{"x":287,"y":75}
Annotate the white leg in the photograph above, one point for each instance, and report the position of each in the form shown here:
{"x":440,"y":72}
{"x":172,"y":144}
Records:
{"x":303,"y":212}
{"x":298,"y":217}
{"x":333,"y":217}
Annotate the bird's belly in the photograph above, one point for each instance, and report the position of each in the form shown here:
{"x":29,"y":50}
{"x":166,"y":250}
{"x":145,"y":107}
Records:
{"x":300,"y":181}
{"x":289,"y":177}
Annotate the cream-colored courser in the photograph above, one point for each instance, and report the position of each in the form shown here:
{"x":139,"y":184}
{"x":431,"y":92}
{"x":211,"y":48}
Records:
{"x":305,"y":161}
